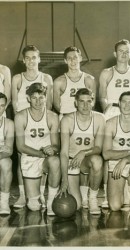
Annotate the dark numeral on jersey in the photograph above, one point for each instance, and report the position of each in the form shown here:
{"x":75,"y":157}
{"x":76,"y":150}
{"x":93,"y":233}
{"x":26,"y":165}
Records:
{"x":123,"y":141}
{"x":125,"y":83}
{"x":85,"y":141}
{"x":37,"y":132}
{"x":73,"y":92}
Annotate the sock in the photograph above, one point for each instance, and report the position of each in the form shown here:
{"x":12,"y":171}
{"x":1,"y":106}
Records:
{"x":93,"y":193}
{"x":5,"y":196}
{"x":51,"y":195}
{"x":42,"y":189}
{"x":21,"y":190}
{"x":84,"y":192}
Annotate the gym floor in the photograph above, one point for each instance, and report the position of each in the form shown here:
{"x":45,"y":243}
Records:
{"x":26,"y":228}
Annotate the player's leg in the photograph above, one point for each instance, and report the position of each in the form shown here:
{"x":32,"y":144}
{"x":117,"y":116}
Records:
{"x":6,"y":179}
{"x":42,"y":189}
{"x":95,"y":164}
{"x":84,"y":188}
{"x":115,"y":192}
{"x":105,"y":180}
{"x":74,"y":188}
{"x":52,"y":166}
{"x":32,"y":189}
{"x":21,"y":202}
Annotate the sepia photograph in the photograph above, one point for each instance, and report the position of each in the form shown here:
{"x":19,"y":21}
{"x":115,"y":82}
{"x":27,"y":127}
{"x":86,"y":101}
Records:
{"x":65,"y":124}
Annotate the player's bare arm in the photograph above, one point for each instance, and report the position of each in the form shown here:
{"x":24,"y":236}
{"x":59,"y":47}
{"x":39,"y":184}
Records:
{"x":49,"y":81}
{"x":59,"y":88}
{"x":20,"y":125}
{"x":90,"y":83}
{"x":108,"y":152}
{"x":16,"y":84}
{"x":104,"y":79}
{"x":7,"y":82}
{"x":7,"y":150}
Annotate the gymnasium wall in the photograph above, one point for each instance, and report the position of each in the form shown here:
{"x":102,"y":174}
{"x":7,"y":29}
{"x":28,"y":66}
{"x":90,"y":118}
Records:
{"x":50,"y":26}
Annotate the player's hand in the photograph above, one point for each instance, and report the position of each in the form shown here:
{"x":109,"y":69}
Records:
{"x":63,"y":188}
{"x":77,"y":160}
{"x":48,"y":150}
{"x":117,"y":172}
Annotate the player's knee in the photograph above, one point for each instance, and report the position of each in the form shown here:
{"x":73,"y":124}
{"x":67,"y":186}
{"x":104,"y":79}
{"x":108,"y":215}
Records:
{"x":97,"y":162}
{"x":6,"y":165}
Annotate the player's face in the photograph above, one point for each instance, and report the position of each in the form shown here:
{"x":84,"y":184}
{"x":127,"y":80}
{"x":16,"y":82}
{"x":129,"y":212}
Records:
{"x":123,"y":53}
{"x":31,"y":59}
{"x":2,"y":106}
{"x":37,"y":101}
{"x":73,"y":60}
{"x":125,"y":105}
{"x":84,"y":104}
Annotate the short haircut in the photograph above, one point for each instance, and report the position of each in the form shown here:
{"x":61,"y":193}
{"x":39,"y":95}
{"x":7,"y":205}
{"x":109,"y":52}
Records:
{"x":122,"y":42}
{"x":3,"y":96}
{"x":84,"y":91}
{"x":36,"y":87}
{"x":69,"y":49}
{"x":123,"y":94}
{"x":30,"y":48}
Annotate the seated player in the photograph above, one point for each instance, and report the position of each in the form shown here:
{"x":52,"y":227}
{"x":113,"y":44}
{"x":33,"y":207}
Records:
{"x":6,"y":150}
{"x":81,"y":145}
{"x":116,"y":149}
{"x":38,"y":142}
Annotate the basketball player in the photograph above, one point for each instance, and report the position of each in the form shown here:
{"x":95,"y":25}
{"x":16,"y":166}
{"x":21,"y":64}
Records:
{"x":114,"y":81}
{"x":116,"y":149}
{"x":6,"y":149}
{"x":5,"y":83}
{"x":81,"y":144}
{"x":20,"y":82}
{"x":65,"y":88}
{"x":38,"y":142}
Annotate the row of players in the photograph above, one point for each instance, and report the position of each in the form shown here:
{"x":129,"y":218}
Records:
{"x":113,"y":80}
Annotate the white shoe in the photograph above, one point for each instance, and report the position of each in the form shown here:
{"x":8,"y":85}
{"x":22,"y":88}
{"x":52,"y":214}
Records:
{"x":21,"y":202}
{"x":85,"y":203}
{"x":4,"y":208}
{"x":34,"y":204}
{"x":93,"y":206}
{"x":105,"y":204}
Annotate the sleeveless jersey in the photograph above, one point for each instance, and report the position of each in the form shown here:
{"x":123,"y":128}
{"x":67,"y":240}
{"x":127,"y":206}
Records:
{"x":121,"y":141}
{"x":81,"y":139}
{"x":1,"y":83}
{"x":37,"y":133}
{"x":22,"y":97}
{"x":2,"y":133}
{"x":119,"y":83}
{"x":68,"y":97}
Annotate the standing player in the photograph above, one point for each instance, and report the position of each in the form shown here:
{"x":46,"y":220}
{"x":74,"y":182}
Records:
{"x":81,"y":144}
{"x":114,"y":81}
{"x":6,"y":149}
{"x":20,"y":82}
{"x":5,"y":83}
{"x":37,"y":140}
{"x":116,"y":149}
{"x":65,"y":88}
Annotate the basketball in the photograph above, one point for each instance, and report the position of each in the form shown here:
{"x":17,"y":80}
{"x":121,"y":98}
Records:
{"x":64,"y":207}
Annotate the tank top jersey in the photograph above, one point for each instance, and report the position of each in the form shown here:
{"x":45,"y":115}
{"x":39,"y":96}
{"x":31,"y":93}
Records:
{"x":119,"y":83}
{"x":37,"y":133}
{"x":22,"y":97}
{"x":2,"y":133}
{"x":1,"y":83}
{"x":68,"y":97}
{"x":81,"y":139}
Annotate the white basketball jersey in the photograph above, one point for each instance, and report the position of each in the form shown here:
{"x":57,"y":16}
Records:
{"x":2,"y":133}
{"x":22,"y":97}
{"x":119,"y":83}
{"x":81,"y":139}
{"x":68,"y":97}
{"x":37,"y":133}
{"x":1,"y":83}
